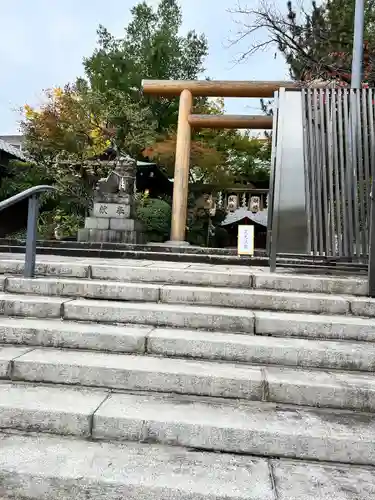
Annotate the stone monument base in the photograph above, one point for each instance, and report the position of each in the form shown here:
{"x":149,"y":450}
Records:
{"x":110,"y":236}
{"x":109,"y":223}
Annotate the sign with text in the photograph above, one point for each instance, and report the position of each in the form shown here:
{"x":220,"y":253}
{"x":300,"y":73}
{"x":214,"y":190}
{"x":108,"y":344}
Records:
{"x":245,"y":241}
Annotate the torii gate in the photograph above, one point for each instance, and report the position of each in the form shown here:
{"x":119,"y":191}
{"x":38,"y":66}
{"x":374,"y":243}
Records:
{"x":187,"y":121}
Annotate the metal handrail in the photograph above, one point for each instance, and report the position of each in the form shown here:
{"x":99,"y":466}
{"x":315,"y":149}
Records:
{"x":371,"y":250}
{"x":32,"y":217}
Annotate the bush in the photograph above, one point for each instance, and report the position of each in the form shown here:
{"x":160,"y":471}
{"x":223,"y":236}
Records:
{"x":155,"y":215}
{"x":57,"y":223}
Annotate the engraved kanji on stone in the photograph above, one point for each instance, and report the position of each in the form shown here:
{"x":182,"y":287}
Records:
{"x":103,"y":209}
{"x":120,"y":210}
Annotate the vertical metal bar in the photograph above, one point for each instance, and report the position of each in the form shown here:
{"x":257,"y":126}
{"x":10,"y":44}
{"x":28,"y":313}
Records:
{"x":352,"y":173}
{"x":342,"y":160}
{"x":366,"y":166}
{"x":272,"y":173}
{"x":366,"y":162}
{"x":330,"y":171}
{"x":312,"y":168}
{"x":277,"y":184}
{"x":371,"y":263}
{"x":348,"y":174}
{"x":336,"y":167}
{"x":32,"y":218}
{"x":323,"y":166}
{"x":361,"y":174}
{"x":318,"y":147}
{"x":371,"y":149}
{"x":306,"y":151}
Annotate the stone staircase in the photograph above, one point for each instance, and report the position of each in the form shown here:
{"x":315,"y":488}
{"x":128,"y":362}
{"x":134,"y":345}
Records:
{"x":159,"y":381}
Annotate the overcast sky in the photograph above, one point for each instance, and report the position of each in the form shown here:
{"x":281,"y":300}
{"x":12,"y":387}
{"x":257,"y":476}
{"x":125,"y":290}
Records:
{"x":43,"y":42}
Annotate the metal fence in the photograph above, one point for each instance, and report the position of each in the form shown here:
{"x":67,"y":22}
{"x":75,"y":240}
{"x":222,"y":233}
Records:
{"x":339,"y":160}
{"x":323,"y":162}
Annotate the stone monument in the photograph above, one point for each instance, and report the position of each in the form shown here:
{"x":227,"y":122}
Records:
{"x":113,"y":214}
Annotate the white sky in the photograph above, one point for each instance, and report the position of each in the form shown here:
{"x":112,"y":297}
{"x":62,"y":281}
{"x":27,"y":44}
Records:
{"x":43,"y":42}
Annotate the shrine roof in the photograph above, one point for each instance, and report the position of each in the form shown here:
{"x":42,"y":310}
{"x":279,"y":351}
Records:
{"x":242,"y":213}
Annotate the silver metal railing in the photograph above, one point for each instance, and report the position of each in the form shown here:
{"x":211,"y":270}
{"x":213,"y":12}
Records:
{"x":323,"y":168}
{"x":32,"y":218}
{"x":339,"y":165}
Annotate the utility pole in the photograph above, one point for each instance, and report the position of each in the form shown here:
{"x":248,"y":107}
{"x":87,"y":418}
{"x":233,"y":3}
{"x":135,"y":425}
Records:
{"x":357,"y":60}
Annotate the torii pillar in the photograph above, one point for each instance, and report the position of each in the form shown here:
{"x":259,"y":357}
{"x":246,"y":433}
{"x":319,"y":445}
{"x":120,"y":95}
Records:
{"x":181,"y":170}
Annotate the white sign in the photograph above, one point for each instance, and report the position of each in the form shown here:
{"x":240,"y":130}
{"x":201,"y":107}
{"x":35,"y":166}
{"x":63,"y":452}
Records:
{"x":245,"y":241}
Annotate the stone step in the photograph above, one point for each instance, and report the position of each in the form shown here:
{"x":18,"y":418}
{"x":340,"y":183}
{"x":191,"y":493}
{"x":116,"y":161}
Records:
{"x":189,"y":274}
{"x":205,"y":296}
{"x":209,"y":318}
{"x":208,"y":424}
{"x":342,"y":355}
{"x":74,"y":335}
{"x":258,"y":429}
{"x":314,"y":326}
{"x":258,"y":278}
{"x":190,"y":316}
{"x":316,"y":388}
{"x":50,"y":467}
{"x":66,"y":411}
{"x":7,"y":355}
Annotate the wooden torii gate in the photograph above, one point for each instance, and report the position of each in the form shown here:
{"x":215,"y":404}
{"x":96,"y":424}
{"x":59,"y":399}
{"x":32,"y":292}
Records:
{"x":188,"y":121}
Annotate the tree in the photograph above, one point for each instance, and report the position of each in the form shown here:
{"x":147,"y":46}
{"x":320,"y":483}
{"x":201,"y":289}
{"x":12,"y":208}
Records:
{"x":218,"y":157}
{"x":74,"y":125}
{"x":230,"y":157}
{"x":316,"y":44}
{"x":153,"y":48}
{"x":225,"y":158}
{"x":81,"y":120}
{"x":77,"y":123}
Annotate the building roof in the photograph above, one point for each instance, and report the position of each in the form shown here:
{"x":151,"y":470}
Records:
{"x":8,"y":148}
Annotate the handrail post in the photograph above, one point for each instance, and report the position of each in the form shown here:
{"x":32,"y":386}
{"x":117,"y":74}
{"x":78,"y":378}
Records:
{"x":31,"y":236}
{"x":371,"y":250}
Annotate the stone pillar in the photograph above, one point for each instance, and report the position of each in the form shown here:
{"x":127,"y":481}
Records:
{"x":113,"y":216}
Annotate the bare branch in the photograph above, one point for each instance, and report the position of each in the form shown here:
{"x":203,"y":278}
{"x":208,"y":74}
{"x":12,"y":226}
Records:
{"x":305,"y":44}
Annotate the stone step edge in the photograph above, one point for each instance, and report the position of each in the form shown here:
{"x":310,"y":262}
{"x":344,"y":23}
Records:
{"x":297,"y":433}
{"x":209,"y":476}
{"x":178,"y":343}
{"x":220,"y":260}
{"x":245,"y":321}
{"x":266,"y":324}
{"x":210,"y":277}
{"x":126,"y":470}
{"x":228,"y":298}
{"x":198,"y":298}
{"x":282,"y":261}
{"x":268,"y":384}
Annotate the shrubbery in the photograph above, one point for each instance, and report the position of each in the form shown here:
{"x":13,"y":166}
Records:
{"x":155,"y":215}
